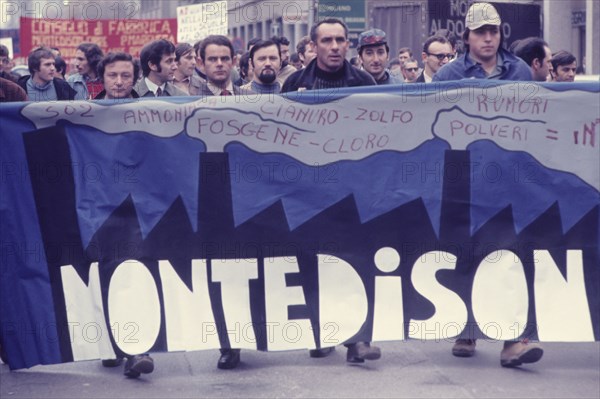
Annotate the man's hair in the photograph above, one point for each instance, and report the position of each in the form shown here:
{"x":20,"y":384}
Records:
{"x":405,"y":50}
{"x":60,"y":65}
{"x":93,"y":54}
{"x":118,"y":56}
{"x":219,"y":40}
{"x":153,"y":52}
{"x":313,"y":29}
{"x":251,"y":43}
{"x":354,"y":61}
{"x":411,"y":59}
{"x":467,"y":32}
{"x":531,"y":48}
{"x":244,"y":64}
{"x":434,"y":39}
{"x":301,"y":45}
{"x":197,"y":47}
{"x":35,"y":58}
{"x":3,"y":51}
{"x":562,"y":58}
{"x":262,"y":44}
{"x":280,"y":40}
{"x":448,"y":35}
{"x":182,"y":49}
{"x":393,"y":62}
{"x":294,"y":57}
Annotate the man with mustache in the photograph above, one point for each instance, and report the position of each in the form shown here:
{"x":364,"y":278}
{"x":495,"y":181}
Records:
{"x":86,"y":81}
{"x":265,"y":58}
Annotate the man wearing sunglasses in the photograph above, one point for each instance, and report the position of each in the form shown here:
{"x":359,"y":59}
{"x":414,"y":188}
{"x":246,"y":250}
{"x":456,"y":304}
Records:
{"x":485,"y":58}
{"x":437,"y":52}
{"x":410,"y":70}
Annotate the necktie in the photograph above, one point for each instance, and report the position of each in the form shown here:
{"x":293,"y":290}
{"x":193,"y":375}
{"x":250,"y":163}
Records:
{"x":225,"y":93}
{"x":158,"y":92}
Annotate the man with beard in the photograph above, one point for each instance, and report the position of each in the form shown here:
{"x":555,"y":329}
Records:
{"x":265,"y":58}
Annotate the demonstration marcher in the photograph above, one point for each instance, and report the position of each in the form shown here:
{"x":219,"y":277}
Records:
{"x":118,"y":73}
{"x":485,"y":58}
{"x":437,"y":52}
{"x":286,"y":69}
{"x":329,"y":69}
{"x":42,"y":85}
{"x":184,"y":77}
{"x":305,"y":50}
{"x":216,"y":56}
{"x":10,"y":91}
{"x":158,"y":64}
{"x":536,"y":53}
{"x":374,"y":54}
{"x":564,"y":66}
{"x":86,"y":81}
{"x":266,"y":62}
{"x":410,"y":70}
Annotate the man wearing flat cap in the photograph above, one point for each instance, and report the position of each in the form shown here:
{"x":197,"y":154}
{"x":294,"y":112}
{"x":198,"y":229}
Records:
{"x":374,"y":54}
{"x":485,"y":58}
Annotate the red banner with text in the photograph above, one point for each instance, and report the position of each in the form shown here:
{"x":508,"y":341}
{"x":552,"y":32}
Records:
{"x":127,"y":35}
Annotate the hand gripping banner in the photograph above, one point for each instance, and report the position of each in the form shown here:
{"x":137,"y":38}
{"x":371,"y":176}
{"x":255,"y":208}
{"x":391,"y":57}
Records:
{"x":463,"y":209}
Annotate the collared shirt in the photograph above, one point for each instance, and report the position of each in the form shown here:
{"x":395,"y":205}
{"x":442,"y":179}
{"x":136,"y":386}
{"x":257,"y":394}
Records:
{"x":426,"y":77}
{"x":183,"y":84}
{"x":217,"y":90}
{"x":153,"y":87}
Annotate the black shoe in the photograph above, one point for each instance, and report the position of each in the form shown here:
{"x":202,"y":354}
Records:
{"x":322,"y":352}
{"x":112,"y":362}
{"x":361,"y":351}
{"x":137,"y":365}
{"x":230,"y":358}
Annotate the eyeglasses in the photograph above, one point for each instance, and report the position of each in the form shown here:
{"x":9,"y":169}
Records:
{"x":411,"y":69}
{"x":441,"y":57}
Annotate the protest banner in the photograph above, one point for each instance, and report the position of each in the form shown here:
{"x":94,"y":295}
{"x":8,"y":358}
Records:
{"x":425,"y":211}
{"x":125,"y":35}
{"x":196,"y":21}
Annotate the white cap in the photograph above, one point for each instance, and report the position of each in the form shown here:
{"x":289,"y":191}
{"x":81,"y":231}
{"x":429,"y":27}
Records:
{"x":481,"y":14}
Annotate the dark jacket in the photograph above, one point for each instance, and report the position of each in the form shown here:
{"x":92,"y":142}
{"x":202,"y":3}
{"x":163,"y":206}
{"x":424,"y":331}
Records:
{"x":204,"y":91}
{"x":10,"y":91}
{"x":102,"y":95}
{"x":64,"y":91}
{"x":421,"y":78}
{"x":305,"y":78}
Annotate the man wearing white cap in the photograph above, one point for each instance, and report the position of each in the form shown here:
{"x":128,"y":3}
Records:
{"x":485,"y":58}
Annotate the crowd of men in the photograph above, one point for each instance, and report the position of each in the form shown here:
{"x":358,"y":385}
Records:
{"x":211,"y":67}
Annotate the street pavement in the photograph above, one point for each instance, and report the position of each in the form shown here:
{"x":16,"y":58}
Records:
{"x":412,"y":369}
